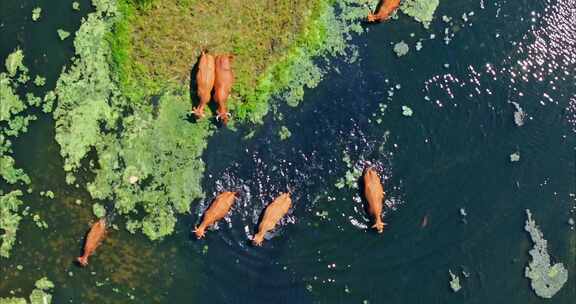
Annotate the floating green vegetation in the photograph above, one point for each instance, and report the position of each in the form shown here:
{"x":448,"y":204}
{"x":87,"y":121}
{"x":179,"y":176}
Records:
{"x":11,"y":103}
{"x":63,"y":34}
{"x":9,"y":220}
{"x":36,"y":12}
{"x":9,"y":173}
{"x":76,"y":6}
{"x":421,"y":10}
{"x":12,"y":120}
{"x":44,"y":284}
{"x":15,"y":62}
{"x":39,"y":295}
{"x":39,"y":81}
{"x":514,"y":157}
{"x":407,"y":111}
{"x":98,"y":210}
{"x":48,"y":193}
{"x":39,"y":222}
{"x":454,"y":281}
{"x":284,"y":133}
{"x":546,"y":279}
{"x":162,"y":166}
{"x":351,"y":176}
{"x":86,"y":94}
{"x":401,"y":48}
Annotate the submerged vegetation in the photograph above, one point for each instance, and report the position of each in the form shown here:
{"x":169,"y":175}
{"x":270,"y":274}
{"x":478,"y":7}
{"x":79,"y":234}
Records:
{"x":40,"y":294}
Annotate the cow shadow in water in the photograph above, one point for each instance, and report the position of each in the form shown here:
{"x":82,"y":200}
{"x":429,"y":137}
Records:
{"x":194,"y":100}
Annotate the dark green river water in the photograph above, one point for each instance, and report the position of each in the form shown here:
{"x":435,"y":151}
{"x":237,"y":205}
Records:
{"x":452,"y":153}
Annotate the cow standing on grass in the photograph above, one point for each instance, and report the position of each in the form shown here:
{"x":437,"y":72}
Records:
{"x":223,"y":86}
{"x":204,"y":82}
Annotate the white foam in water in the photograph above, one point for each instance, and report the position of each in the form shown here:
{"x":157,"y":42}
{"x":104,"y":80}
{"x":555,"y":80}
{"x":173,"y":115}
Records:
{"x":356,"y":223}
{"x":247,"y":232}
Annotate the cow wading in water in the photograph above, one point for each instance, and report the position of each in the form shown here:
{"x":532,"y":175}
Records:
{"x":374,"y":193}
{"x":223,"y":86}
{"x":217,"y":211}
{"x":204,"y":82}
{"x":93,"y":240}
{"x":385,"y":9}
{"x":272,"y":215}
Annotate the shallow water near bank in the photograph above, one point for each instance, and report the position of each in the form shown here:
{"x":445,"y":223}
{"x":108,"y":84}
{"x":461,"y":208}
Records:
{"x":452,"y":153}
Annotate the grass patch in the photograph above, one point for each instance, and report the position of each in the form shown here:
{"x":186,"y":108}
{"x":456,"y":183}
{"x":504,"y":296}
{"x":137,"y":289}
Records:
{"x":167,"y":37}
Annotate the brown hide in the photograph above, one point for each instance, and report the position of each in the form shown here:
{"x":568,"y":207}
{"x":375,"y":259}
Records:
{"x":223,"y":85}
{"x":217,"y":211}
{"x":272,"y":215}
{"x":204,"y":82}
{"x":93,"y":240}
{"x":385,"y":10}
{"x":374,"y":193}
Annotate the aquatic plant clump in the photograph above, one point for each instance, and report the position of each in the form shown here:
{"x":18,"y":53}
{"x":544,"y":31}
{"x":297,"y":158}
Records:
{"x":407,"y":111}
{"x":86,"y":94}
{"x":515,"y":157}
{"x":454,"y":281}
{"x":63,"y":34}
{"x":39,"y":81}
{"x":39,"y":295}
{"x":421,"y":10}
{"x":401,"y":48}
{"x":284,"y":133}
{"x":9,"y":220}
{"x":164,"y":152}
{"x":15,"y":62}
{"x":12,"y":125}
{"x":98,"y":210}
{"x":352,"y":175}
{"x":36,"y":13}
{"x":546,"y":279}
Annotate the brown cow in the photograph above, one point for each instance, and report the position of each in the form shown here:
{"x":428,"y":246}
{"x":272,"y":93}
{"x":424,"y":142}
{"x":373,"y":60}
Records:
{"x":385,"y":10}
{"x":374,"y":193}
{"x":223,"y":85}
{"x":272,"y":215}
{"x":217,"y":211}
{"x":93,"y":240}
{"x":204,"y":82}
